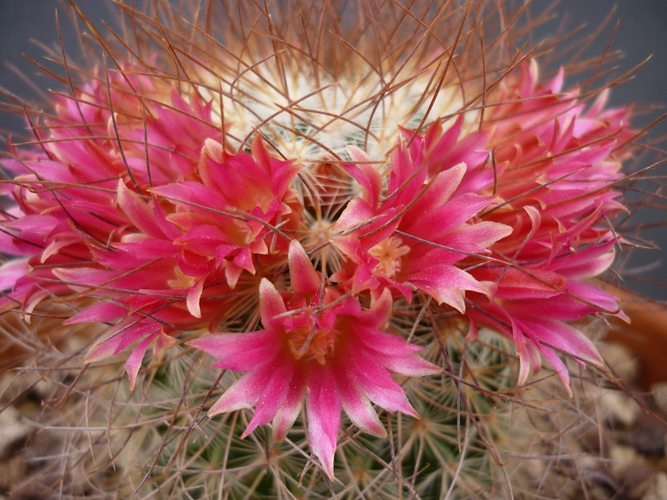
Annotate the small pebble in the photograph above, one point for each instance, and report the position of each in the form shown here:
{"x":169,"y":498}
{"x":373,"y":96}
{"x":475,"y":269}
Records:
{"x":659,"y":391}
{"x":619,"y":408}
{"x":657,"y":487}
{"x":11,"y":429}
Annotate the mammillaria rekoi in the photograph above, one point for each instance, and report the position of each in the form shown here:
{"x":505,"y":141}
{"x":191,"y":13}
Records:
{"x":157,"y":245}
{"x":318,"y":343}
{"x":281,"y":204}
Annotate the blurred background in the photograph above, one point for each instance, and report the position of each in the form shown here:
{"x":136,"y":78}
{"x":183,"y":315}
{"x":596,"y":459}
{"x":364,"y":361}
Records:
{"x":641,"y":33}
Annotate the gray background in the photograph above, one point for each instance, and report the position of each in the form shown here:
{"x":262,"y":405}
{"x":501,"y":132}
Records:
{"x":642,"y":32}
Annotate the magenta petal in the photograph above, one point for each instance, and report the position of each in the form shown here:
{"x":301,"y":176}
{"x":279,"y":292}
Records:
{"x":162,"y":343}
{"x":290,"y":408}
{"x":133,"y":363}
{"x":275,"y":392}
{"x":244,"y":393}
{"x":191,"y":194}
{"x":446,"y":285}
{"x":384,"y":343}
{"x":260,"y":154}
{"x":395,"y":354}
{"x":473,"y":331}
{"x":119,"y":338}
{"x":128,"y":335}
{"x":137,"y":211}
{"x":239,"y":352}
{"x":410,"y":365}
{"x":244,"y":260}
{"x":271,"y":305}
{"x":518,"y":284}
{"x":529,"y":356}
{"x":365,"y":174}
{"x":590,"y":293}
{"x":83,"y":276}
{"x":404,"y":177}
{"x":11,"y":271}
{"x":578,"y":267}
{"x":379,"y":313}
{"x":477,"y":237}
{"x":446,"y":217}
{"x":194,"y":295}
{"x":559,"y":366}
{"x":356,"y":214}
{"x":56,"y":245}
{"x":101,"y":312}
{"x":440,"y":189}
{"x":303,"y":277}
{"x":357,"y":406}
{"x":524,"y":366}
{"x":565,"y":338}
{"x":378,"y":385}
{"x":232,"y":273}
{"x":323,"y":408}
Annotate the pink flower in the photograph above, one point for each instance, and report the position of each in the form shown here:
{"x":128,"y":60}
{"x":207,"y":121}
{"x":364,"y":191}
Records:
{"x":556,"y":156}
{"x":533,"y":304}
{"x":427,"y":222}
{"x":135,"y":215}
{"x":318,"y":343}
{"x":556,"y":168}
{"x":232,"y":209}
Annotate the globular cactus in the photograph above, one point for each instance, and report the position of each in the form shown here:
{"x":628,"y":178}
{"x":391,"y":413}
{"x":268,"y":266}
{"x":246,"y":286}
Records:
{"x":309,"y":250}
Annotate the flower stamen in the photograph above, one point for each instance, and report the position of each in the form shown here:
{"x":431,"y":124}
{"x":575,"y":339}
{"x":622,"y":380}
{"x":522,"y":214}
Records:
{"x":314,"y":342}
{"x":389,"y":253}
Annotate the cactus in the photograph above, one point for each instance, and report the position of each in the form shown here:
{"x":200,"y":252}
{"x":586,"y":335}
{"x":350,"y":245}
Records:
{"x":253,"y":264}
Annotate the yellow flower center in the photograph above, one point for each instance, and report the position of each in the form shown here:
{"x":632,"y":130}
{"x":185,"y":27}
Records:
{"x":389,"y":253}
{"x":310,"y":342}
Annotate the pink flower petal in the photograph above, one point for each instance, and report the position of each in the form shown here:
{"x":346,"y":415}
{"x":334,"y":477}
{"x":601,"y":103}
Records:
{"x":240,"y":352}
{"x":439,"y":190}
{"x":564,"y":337}
{"x":559,"y":366}
{"x":11,"y":271}
{"x":356,"y":405}
{"x":380,"y":311}
{"x":365,"y":173}
{"x":137,"y":211}
{"x":273,"y":396}
{"x":323,"y":406}
{"x":375,"y":382}
{"x":303,"y":277}
{"x":120,"y":337}
{"x":194,"y":295}
{"x":102,"y":312}
{"x":287,"y":413}
{"x":271,"y":304}
{"x":446,"y":284}
{"x":133,"y":363}
{"x":244,"y":393}
{"x":232,"y":273}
